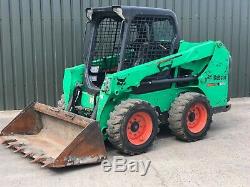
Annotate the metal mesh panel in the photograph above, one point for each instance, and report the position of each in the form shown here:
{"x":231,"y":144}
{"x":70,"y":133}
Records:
{"x":107,"y":44}
{"x":150,"y":38}
{"x":105,"y":54}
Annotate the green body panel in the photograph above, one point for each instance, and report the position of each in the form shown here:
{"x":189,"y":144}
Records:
{"x":209,"y":61}
{"x":87,"y":100}
{"x":163,"y":98}
{"x":107,"y":62}
{"x":72,"y":77}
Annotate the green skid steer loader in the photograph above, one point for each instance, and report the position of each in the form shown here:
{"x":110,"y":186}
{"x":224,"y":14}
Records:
{"x":136,"y":74}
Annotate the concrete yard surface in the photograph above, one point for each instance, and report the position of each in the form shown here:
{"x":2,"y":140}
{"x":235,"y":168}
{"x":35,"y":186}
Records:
{"x":221,"y":159}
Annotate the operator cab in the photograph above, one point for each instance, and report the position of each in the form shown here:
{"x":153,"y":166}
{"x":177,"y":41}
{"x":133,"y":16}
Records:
{"x":121,"y":37}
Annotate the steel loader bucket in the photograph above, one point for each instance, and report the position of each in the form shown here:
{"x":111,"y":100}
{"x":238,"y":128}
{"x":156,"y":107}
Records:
{"x":54,"y":137}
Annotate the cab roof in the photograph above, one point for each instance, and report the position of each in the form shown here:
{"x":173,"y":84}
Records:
{"x":129,"y":12}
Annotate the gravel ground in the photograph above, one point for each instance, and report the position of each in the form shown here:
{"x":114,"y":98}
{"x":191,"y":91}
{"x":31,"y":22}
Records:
{"x":221,"y":159}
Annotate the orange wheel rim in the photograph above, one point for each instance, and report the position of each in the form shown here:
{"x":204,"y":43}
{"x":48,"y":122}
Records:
{"x":197,"y":118}
{"x":139,"y":128}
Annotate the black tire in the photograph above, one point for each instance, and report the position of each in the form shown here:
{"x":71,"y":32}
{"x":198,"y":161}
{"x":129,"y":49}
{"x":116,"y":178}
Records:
{"x":119,"y":122}
{"x":178,"y":116}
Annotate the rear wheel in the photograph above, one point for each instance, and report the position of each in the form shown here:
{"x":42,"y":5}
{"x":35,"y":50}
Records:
{"x":133,"y":126}
{"x":190,"y":116}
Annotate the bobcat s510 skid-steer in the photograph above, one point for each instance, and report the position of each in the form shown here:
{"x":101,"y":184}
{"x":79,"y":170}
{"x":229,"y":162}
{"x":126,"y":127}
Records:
{"x":135,"y":75}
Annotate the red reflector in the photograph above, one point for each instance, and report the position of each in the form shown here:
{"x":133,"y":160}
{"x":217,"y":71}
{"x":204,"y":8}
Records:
{"x":211,"y":84}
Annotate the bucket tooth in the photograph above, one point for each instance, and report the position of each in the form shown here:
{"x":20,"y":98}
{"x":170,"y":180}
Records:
{"x":27,"y":154}
{"x":47,"y":162}
{"x":6,"y":141}
{"x":9,"y":145}
{"x":38,"y":157}
{"x":35,"y":159}
{"x":19,"y":149}
{"x":14,"y":144}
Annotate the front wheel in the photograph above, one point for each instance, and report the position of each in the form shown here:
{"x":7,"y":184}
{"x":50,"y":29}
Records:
{"x":133,"y":126}
{"x":190,"y":116}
